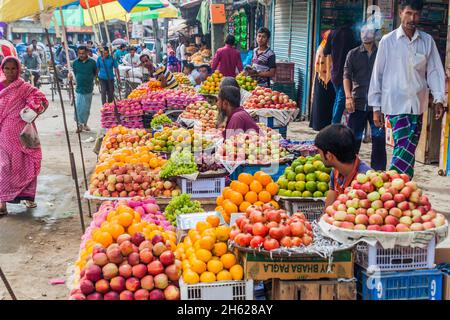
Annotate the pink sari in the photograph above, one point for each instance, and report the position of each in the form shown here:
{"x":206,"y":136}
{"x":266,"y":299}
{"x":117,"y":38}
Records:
{"x":19,"y":166}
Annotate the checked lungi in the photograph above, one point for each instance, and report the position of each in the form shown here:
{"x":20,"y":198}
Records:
{"x":406,"y":131}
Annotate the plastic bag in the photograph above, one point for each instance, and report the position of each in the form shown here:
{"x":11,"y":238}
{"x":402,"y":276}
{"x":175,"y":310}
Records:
{"x":29,"y":137}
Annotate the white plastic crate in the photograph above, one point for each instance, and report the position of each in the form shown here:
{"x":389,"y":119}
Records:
{"x":203,"y":188}
{"x":221,"y":290}
{"x":312,"y":208}
{"x":188,"y":221}
{"x":375,"y":258}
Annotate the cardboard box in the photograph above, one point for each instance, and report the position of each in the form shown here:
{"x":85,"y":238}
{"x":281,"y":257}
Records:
{"x":261,"y":267}
{"x":313,"y":290}
{"x":389,"y":133}
{"x":443,"y":256}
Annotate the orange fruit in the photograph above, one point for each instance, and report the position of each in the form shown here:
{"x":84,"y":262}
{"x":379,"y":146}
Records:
{"x":264,"y":196}
{"x":275,"y":204}
{"x":251,"y":197}
{"x":122,"y":208}
{"x":207,"y":242}
{"x":105,"y":239}
{"x":116,"y":230}
{"x":272,"y":188}
{"x":230,"y":207}
{"x":194,"y":235}
{"x":226,"y":192}
{"x":126,"y":219}
{"x":214,"y":221}
{"x":244,"y":205}
{"x":258,"y":203}
{"x":224,"y":275}
{"x":207,"y":277}
{"x":219,"y":209}
{"x":220,"y":249}
{"x":202,"y":226}
{"x":258,"y":174}
{"x":240,"y":187}
{"x":228,"y":260}
{"x":237,"y":272}
{"x":197,"y":265}
{"x":245,"y":178}
{"x":219,"y":200}
{"x":203,"y":255}
{"x":256,"y":186}
{"x":222,"y":233}
{"x":236,"y":197}
{"x":264,"y":179}
{"x":134,"y":228}
{"x":214,"y":266}
{"x":190,"y":277}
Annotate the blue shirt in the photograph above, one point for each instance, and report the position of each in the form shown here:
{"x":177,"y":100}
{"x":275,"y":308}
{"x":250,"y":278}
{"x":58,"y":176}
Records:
{"x":111,"y":64}
{"x":119,"y":55}
{"x":363,"y":168}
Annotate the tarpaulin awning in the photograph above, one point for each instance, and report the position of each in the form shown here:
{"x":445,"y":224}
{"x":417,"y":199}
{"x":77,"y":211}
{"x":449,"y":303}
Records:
{"x":168,"y":12}
{"x":12,"y":10}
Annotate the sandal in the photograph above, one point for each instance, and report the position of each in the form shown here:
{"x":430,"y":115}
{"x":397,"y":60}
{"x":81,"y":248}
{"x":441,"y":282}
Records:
{"x":30,"y":204}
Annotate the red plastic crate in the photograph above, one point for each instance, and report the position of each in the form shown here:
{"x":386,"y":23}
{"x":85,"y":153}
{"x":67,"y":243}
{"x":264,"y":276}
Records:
{"x":285,"y":72}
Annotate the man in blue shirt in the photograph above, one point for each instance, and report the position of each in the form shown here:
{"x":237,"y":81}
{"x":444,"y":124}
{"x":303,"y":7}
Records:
{"x":337,"y":148}
{"x":120,"y":53}
{"x":107,"y":66}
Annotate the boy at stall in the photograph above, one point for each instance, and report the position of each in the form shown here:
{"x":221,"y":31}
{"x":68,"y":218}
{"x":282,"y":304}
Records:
{"x":337,"y":147}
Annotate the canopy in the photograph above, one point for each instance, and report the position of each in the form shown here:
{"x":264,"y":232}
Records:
{"x":112,"y":10}
{"x":128,"y":5}
{"x":72,"y":17}
{"x":12,"y":10}
{"x":169,"y":12}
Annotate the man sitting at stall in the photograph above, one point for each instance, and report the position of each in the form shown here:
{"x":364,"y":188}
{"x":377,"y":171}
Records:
{"x":166,"y":77}
{"x":148,"y":67}
{"x":238,"y":119}
{"x":337,"y":147}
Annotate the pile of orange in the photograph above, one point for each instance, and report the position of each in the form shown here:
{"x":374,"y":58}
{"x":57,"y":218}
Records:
{"x":205,"y":256}
{"x":248,"y":190}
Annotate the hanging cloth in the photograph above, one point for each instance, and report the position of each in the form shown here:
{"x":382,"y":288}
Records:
{"x":203,"y":17}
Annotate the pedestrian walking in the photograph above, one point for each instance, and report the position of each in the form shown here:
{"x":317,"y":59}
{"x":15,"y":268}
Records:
{"x":339,"y":43}
{"x":32,"y":63}
{"x":227,"y":59}
{"x":407,"y":66}
{"x":323,"y":91}
{"x":20,"y":103}
{"x":357,"y":72}
{"x":107,"y":66}
{"x":264,"y":60}
{"x":85,"y":70}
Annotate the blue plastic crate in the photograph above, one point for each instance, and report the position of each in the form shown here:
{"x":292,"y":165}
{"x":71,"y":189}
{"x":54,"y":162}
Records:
{"x":275,"y":173}
{"x":411,"y":285}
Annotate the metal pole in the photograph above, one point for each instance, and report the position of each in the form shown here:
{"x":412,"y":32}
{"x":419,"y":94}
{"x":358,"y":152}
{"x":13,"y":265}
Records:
{"x":92,"y":20}
{"x":69,"y":67}
{"x":71,"y":156}
{"x":126,"y":26}
{"x":7,"y":285}
{"x":99,"y":26}
{"x":106,"y":26}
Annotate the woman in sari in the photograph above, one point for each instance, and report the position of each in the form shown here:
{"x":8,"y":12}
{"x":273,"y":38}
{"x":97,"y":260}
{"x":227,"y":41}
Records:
{"x":19,"y":165}
{"x":323,"y":93}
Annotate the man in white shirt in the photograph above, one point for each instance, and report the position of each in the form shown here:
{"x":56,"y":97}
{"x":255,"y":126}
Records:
{"x":407,"y":64}
{"x":131,"y":59}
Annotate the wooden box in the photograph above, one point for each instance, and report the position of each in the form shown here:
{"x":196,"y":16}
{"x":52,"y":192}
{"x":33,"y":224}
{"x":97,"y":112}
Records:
{"x":428,"y":148}
{"x":313,"y":290}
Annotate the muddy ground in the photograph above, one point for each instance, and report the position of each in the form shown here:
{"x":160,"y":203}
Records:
{"x":40,"y":245}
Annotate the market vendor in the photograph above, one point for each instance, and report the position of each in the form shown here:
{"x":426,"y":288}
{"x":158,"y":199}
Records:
{"x":337,"y":147}
{"x":238,"y":120}
{"x":147,"y":65}
{"x":264,"y":60}
{"x":166,"y":77}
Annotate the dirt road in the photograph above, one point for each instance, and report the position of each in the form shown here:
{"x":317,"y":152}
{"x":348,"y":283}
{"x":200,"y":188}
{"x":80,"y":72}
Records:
{"x":40,"y":245}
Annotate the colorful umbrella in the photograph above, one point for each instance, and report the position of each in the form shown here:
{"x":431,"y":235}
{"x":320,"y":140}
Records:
{"x":12,"y":10}
{"x":169,"y":12}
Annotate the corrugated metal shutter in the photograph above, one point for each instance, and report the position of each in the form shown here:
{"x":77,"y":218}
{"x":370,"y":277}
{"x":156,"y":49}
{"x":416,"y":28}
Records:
{"x":282,"y":31}
{"x":300,"y":46}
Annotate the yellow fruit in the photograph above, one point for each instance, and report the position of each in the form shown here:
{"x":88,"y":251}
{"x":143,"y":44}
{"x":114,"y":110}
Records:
{"x":190,"y":277}
{"x":202,"y":226}
{"x":214,"y":266}
{"x":193,"y":235}
{"x":237,"y":272}
{"x":222,"y":233}
{"x":207,"y":277}
{"x":213,"y":221}
{"x":197,"y":265}
{"x":203,"y":254}
{"x":220,"y":249}
{"x":228,"y":260}
{"x":224,"y":275}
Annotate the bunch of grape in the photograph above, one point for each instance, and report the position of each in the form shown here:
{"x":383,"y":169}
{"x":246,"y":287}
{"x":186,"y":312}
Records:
{"x":181,"y":204}
{"x":160,"y":120}
{"x":180,"y":162}
{"x":207,"y":162}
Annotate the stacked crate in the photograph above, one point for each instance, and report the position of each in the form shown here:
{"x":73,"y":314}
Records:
{"x":400,"y":273}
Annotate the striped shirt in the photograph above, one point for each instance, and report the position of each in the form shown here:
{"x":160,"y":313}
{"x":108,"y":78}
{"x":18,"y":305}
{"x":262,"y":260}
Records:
{"x":263,"y":62}
{"x":162,"y":71}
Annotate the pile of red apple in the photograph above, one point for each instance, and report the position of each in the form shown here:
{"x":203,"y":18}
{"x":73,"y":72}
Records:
{"x":269,"y":229}
{"x":387,"y":202}
{"x":130,"y":113}
{"x":265,"y":98}
{"x":131,"y":269}
{"x":204,"y":112}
